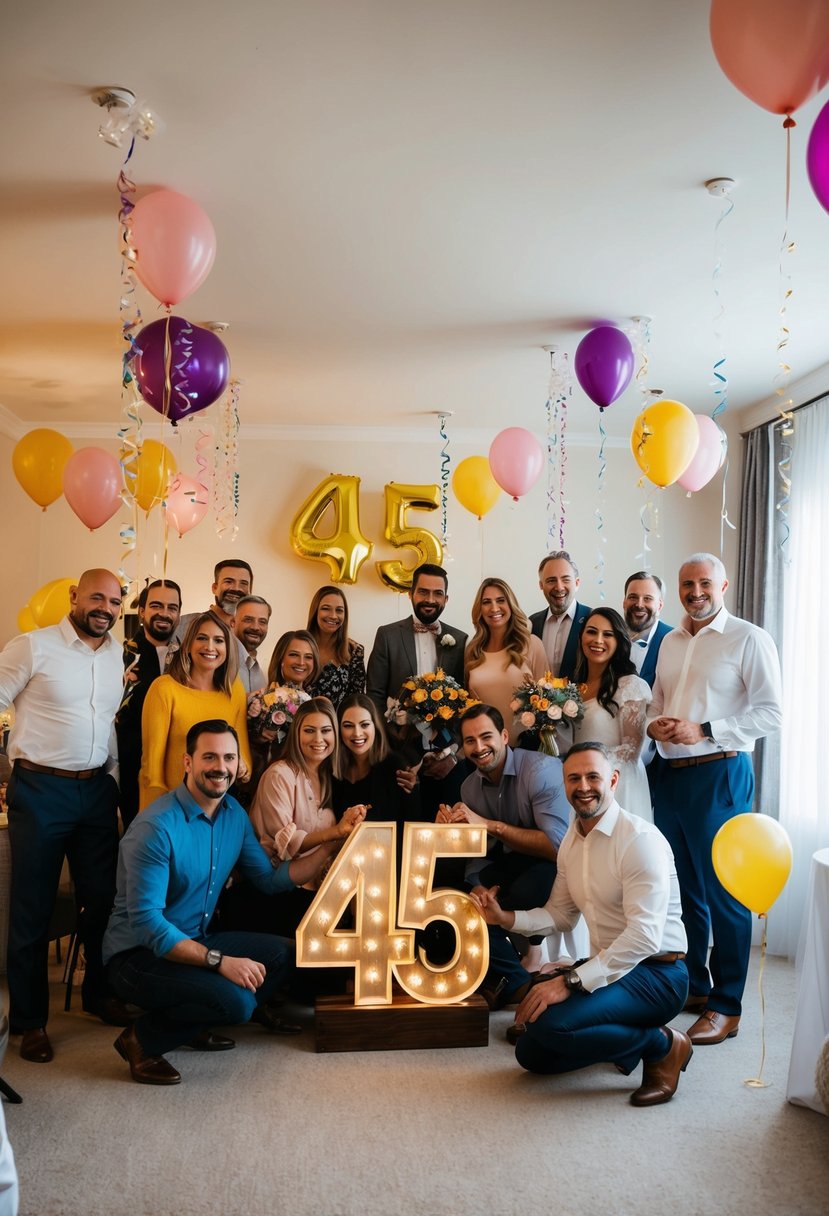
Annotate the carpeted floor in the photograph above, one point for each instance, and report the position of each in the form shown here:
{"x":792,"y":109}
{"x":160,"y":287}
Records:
{"x":273,"y":1128}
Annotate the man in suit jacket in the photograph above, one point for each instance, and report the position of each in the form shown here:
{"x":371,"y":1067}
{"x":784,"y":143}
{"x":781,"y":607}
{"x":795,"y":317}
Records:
{"x":159,"y":609}
{"x":642,"y":606}
{"x":559,"y":624}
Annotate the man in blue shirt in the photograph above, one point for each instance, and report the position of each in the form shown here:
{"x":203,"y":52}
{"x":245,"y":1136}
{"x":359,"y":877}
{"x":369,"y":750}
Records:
{"x":173,"y":864}
{"x":518,"y":798}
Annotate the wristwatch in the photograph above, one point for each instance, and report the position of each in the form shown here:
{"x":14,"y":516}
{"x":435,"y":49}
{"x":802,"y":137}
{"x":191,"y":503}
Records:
{"x":213,"y":959}
{"x":572,"y":981}
{"x":707,"y":732}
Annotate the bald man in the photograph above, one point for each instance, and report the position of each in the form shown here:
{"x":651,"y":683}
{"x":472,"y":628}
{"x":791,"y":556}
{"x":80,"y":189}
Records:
{"x":65,"y":684}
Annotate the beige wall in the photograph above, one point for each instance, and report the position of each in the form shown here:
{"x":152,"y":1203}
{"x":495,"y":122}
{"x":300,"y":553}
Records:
{"x":277,"y":474}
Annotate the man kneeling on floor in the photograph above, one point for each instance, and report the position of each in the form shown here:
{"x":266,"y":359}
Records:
{"x":617,"y":871}
{"x":173,"y":863}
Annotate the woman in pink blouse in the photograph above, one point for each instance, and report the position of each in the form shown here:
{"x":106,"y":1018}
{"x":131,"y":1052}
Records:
{"x":291,"y":812}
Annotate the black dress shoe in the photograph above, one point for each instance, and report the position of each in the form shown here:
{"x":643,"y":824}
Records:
{"x":211,"y":1042}
{"x":515,"y":1031}
{"x":111,"y":1011}
{"x":35,"y":1046}
{"x":148,"y":1070}
{"x":263,"y":1016}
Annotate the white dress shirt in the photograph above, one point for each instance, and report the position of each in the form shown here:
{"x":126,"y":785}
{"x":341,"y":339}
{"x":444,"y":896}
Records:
{"x":426,"y":650}
{"x":65,"y":696}
{"x":621,"y":877}
{"x":727,"y":674}
{"x":554,"y":635}
{"x":639,"y":647}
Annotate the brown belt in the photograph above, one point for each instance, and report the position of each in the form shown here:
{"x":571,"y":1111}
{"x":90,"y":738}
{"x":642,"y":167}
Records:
{"x":672,"y":956}
{"x":82,"y":774}
{"x":691,"y":761}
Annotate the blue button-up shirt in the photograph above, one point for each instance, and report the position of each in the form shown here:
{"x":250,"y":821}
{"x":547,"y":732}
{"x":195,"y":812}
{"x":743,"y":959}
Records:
{"x":172,"y":865}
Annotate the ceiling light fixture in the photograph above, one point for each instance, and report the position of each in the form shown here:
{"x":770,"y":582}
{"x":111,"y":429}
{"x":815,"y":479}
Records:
{"x":719,"y":187}
{"x":126,"y":117}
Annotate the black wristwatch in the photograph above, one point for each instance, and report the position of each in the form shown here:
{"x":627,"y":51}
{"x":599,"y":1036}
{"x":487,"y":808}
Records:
{"x":213,"y":959}
{"x":572,"y":981}
{"x":707,"y":732}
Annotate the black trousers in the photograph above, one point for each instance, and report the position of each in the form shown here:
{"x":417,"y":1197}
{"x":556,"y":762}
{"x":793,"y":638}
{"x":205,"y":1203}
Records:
{"x":51,"y":818}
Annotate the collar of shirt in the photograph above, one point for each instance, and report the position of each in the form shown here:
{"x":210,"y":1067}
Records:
{"x":716,"y":624}
{"x":507,"y":771}
{"x":643,"y":639}
{"x":71,"y":636}
{"x":606,"y":822}
{"x":191,"y":807}
{"x":569,"y":614}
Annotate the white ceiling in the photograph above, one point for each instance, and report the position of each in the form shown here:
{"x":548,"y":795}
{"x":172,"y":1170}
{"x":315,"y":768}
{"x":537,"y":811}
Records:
{"x":411,"y":199}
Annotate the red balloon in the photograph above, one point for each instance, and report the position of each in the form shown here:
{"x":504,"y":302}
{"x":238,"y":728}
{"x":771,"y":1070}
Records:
{"x":175,"y":244}
{"x":776,"y":53}
{"x":92,"y":485}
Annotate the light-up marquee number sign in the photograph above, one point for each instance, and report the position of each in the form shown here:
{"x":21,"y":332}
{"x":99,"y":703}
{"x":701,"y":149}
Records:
{"x":345,"y":548}
{"x":380,"y":945}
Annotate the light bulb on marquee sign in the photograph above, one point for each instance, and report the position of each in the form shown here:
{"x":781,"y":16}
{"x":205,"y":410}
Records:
{"x":381,"y":944}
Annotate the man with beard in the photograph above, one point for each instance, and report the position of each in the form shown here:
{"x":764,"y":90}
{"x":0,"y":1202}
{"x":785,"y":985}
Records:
{"x":616,"y":870}
{"x":250,"y":624}
{"x":518,"y":798}
{"x":558,"y":625}
{"x":717,"y":689}
{"x":145,"y":656}
{"x":642,"y":606}
{"x":161,"y":953}
{"x":65,"y":683}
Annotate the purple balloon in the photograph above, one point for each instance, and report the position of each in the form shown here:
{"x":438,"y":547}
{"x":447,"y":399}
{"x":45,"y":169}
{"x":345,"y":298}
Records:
{"x":817,"y":157}
{"x":199,"y":367}
{"x":604,"y":364}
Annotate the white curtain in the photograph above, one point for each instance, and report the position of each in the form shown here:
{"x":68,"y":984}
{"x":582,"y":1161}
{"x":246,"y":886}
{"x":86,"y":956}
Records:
{"x":804,"y":771}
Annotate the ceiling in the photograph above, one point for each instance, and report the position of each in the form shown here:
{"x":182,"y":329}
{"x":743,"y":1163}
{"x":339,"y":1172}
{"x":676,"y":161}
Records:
{"x":411,"y":201}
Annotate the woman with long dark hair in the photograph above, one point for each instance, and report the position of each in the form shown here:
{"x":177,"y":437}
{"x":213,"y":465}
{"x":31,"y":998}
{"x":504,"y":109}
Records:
{"x":368,"y":772}
{"x":616,"y":701}
{"x":342,"y":660}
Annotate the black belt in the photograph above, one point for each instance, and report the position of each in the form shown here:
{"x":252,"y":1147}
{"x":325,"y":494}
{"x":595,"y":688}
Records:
{"x":691,"y":761}
{"x":82,"y":774}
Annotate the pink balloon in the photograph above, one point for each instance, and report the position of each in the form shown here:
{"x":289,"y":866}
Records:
{"x":187,"y":503}
{"x":175,"y":244}
{"x":516,"y":460}
{"x":92,"y":485}
{"x":709,"y":457}
{"x":777,"y":54}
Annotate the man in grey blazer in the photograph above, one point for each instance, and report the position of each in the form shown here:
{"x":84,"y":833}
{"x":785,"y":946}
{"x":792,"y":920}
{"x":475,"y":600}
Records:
{"x":559,"y":624}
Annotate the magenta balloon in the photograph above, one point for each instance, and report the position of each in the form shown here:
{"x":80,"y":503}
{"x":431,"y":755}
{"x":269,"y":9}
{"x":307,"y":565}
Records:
{"x":516,"y":460}
{"x":709,"y":456}
{"x":92,"y":485}
{"x":199,"y":367}
{"x":186,"y":503}
{"x":174,"y":242}
{"x":817,"y":157}
{"x":604,"y":364}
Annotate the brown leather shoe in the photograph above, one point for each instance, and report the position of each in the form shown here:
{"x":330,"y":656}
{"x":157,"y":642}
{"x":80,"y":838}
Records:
{"x":149,"y":1070}
{"x":211,"y":1042}
{"x":713,"y":1027}
{"x":695,"y":1004}
{"x":35,"y":1046}
{"x":263,"y":1015}
{"x":515,"y":1031}
{"x":112,"y":1011}
{"x":661,"y":1077}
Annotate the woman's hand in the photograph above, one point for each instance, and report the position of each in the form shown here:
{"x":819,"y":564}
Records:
{"x":407,"y":778}
{"x":351,"y":819}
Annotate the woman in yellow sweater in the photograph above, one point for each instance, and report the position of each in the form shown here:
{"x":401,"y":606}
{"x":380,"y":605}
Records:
{"x":201,"y":683}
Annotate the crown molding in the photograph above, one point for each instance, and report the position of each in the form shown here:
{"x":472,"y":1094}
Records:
{"x":807,"y":388}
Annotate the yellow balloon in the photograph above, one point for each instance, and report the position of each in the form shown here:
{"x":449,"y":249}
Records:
{"x":38,"y":461}
{"x":664,"y":441}
{"x":474,"y":486}
{"x":50,"y":603}
{"x":25,"y":621}
{"x":752,"y":857}
{"x":154,"y":468}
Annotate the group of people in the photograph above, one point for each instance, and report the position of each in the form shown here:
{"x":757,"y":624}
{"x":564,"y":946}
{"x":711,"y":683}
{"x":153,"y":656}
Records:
{"x":670,"y":719}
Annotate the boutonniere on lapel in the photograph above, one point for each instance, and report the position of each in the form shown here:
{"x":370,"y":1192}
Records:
{"x":446,"y":640}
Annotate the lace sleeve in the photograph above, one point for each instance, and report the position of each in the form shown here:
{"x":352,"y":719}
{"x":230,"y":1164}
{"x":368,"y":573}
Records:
{"x":634,"y":696}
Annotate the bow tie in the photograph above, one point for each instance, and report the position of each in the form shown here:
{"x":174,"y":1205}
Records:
{"x":419,"y":627}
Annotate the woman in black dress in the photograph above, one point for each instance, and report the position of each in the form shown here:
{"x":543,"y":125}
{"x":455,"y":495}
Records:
{"x":342,"y":660}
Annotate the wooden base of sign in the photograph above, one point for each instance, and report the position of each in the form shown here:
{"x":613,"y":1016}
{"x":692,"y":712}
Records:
{"x":404,"y":1025}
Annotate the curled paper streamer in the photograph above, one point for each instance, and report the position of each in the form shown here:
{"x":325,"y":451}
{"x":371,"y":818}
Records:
{"x":558,"y":396}
{"x":226,"y":465}
{"x":445,"y":467}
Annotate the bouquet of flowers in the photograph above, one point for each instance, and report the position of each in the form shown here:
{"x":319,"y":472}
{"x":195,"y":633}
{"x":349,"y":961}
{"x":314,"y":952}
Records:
{"x":430,"y":702}
{"x":271,"y":712}
{"x":539,"y":705}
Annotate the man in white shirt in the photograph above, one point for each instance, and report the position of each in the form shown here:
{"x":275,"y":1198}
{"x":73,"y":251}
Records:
{"x":559,"y":624}
{"x":642,"y":607}
{"x":65,"y":682}
{"x":717,"y":690}
{"x":617,"y":871}
{"x":250,"y":624}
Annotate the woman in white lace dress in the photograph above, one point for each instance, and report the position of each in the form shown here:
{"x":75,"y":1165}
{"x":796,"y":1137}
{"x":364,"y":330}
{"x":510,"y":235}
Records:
{"x":615,"y":705}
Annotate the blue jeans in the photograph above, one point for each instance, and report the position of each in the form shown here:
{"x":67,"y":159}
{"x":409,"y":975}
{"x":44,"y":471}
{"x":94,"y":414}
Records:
{"x":619,"y":1024}
{"x":183,"y":1000}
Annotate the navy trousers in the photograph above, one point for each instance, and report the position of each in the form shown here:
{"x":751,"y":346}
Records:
{"x":691,"y":805}
{"x":182,"y":1000}
{"x":51,"y":818}
{"x":619,"y":1024}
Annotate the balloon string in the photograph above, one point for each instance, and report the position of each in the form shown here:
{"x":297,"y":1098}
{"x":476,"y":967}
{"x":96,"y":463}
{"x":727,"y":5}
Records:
{"x":558,"y":395}
{"x":129,"y":433}
{"x":552,"y":443}
{"x":785,"y":426}
{"x":181,"y":383}
{"x":600,"y":493}
{"x":226,"y":471}
{"x":720,"y":381}
{"x":445,"y":467}
{"x":725,"y":522}
{"x":758,"y":1082}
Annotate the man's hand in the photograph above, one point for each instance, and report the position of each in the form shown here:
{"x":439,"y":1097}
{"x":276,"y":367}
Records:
{"x":245,"y":972}
{"x":540,"y":997}
{"x":460,"y":813}
{"x":407,"y":778}
{"x":436,"y":767}
{"x":487,"y":900}
{"x":676,"y":730}
{"x":661,"y":729}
